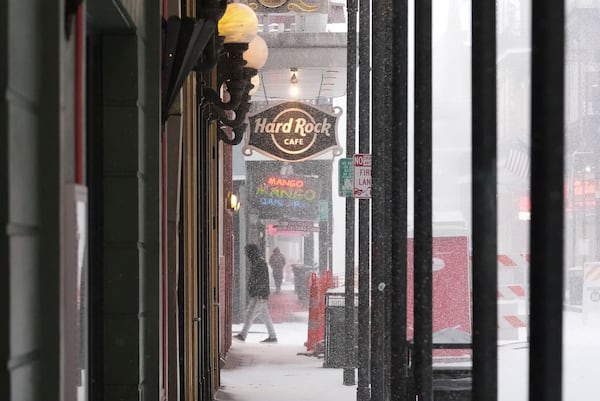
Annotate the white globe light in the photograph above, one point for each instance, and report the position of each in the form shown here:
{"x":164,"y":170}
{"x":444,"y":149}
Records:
{"x":257,"y":53}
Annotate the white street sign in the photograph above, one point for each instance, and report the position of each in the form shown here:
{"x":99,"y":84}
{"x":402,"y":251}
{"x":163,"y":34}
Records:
{"x":362,"y":176}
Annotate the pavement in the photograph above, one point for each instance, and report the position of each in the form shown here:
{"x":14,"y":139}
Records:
{"x":284,"y":305}
{"x":256,"y":371}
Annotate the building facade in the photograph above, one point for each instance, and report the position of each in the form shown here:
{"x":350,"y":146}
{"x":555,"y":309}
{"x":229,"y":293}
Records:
{"x":113,"y":236}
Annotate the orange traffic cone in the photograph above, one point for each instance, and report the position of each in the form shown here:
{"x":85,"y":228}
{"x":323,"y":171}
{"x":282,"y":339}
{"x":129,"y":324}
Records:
{"x":316,"y":314}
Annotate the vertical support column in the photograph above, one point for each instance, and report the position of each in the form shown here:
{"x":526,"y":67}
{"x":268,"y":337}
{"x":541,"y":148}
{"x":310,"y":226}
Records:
{"x":45,"y":164}
{"x":325,"y":170}
{"x":484,"y":204}
{"x":171,"y":209}
{"x":547,"y":191}
{"x":152,"y":206}
{"x":190,"y":242}
{"x":349,"y":306}
{"x":94,"y":176}
{"x":5,"y":187}
{"x":190,"y":265}
{"x":210,"y":256}
{"x":398,"y":159}
{"x":227,"y":237}
{"x":364,"y":315}
{"x":383,"y":159}
{"x":123,"y":240}
{"x":423,"y":204}
{"x":4,"y":239}
{"x":34,"y":142}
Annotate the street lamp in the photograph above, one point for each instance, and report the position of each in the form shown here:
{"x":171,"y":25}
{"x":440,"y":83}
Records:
{"x":225,"y":36}
{"x":232,"y":202}
{"x":244,"y":53}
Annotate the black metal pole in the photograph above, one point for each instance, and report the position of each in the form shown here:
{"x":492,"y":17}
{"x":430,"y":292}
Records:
{"x":382,"y":206}
{"x":325,"y":220}
{"x":349,"y":309}
{"x":484,"y":204}
{"x":423,"y":371}
{"x":364,"y":138}
{"x":399,"y":197}
{"x":546,"y":235}
{"x":364,"y":315}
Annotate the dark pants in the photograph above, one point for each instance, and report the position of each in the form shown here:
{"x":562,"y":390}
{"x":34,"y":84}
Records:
{"x":278,"y":277}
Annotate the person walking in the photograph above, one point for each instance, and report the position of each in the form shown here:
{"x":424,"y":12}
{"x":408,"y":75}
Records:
{"x":258,"y":290}
{"x":277,"y":262}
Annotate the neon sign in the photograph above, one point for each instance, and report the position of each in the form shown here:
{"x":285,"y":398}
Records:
{"x":288,"y":182}
{"x":290,"y":196}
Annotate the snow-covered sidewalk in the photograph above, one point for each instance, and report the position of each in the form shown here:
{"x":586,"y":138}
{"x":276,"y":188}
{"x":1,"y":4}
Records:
{"x":273,"y":372}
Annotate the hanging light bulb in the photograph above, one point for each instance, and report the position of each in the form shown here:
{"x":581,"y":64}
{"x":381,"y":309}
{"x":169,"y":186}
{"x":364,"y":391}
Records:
{"x":294,"y":78}
{"x":294,"y":91}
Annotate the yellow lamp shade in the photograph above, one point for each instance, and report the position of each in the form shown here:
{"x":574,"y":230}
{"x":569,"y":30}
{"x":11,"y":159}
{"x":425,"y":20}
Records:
{"x":239,"y":24}
{"x":257,"y":53}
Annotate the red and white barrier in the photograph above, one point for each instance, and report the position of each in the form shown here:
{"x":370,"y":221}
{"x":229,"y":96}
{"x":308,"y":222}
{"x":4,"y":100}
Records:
{"x":512,"y":293}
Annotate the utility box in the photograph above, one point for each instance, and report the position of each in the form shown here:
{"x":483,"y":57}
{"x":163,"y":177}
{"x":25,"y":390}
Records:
{"x":335,"y":329}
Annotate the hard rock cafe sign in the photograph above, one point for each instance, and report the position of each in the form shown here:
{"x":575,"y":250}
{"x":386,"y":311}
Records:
{"x":293,"y":131}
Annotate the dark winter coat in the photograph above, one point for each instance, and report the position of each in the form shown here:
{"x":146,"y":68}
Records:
{"x":258,"y":275}
{"x":277,"y":260}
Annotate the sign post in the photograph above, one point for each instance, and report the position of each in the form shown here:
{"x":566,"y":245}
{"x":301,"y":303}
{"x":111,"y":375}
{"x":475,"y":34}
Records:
{"x":362,"y":176}
{"x":346,"y":178}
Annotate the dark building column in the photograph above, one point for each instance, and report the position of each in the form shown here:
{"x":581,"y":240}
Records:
{"x":32,"y":145}
{"x":123,"y":243}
